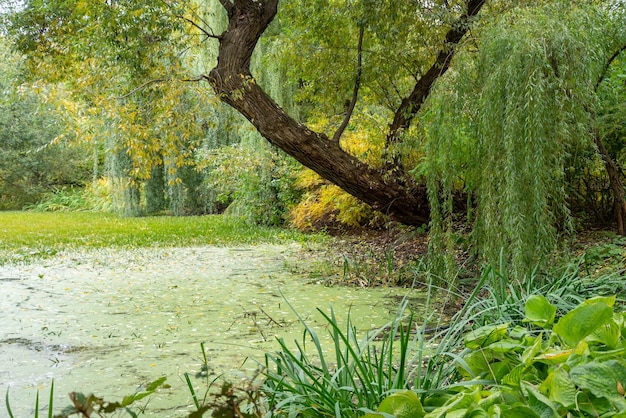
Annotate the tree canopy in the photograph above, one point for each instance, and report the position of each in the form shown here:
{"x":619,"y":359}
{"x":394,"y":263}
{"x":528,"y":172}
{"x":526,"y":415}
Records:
{"x":421,"y":109}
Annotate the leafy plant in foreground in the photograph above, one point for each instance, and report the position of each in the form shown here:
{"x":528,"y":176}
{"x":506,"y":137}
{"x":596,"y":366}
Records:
{"x":92,"y":405}
{"x":574,"y":368}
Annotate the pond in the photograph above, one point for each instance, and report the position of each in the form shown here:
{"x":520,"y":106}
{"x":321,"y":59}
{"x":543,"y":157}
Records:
{"x":109,"y":321}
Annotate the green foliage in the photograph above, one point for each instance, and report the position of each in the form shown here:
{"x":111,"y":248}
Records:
{"x":399,"y":40}
{"x":612,"y":110}
{"x":94,"y":197}
{"x":88,"y":405}
{"x":255,"y":183}
{"x":31,"y":163}
{"x":520,"y":331}
{"x":605,"y":254}
{"x":363,"y":371}
{"x":148,"y":122}
{"x":539,"y":311}
{"x":512,"y":121}
{"x":401,"y":405}
{"x":359,"y":374}
{"x":575,"y":368}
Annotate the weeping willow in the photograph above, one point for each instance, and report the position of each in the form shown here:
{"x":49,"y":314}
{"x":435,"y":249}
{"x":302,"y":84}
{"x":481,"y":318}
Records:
{"x":503,"y":133}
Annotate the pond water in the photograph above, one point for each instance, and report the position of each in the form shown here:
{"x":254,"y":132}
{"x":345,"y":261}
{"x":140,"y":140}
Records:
{"x":109,"y":321}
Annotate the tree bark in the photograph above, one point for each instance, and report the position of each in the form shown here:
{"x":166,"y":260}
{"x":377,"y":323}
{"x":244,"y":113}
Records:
{"x":615,"y":182}
{"x":390,"y":191}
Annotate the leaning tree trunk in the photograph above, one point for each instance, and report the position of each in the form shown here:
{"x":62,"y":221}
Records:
{"x":390,"y":190}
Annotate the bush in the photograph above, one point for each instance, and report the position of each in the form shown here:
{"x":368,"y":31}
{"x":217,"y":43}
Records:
{"x":94,"y":197}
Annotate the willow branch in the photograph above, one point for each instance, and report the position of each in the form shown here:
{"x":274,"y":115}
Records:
{"x":607,"y":65}
{"x":142,"y":86}
{"x":355,"y":92}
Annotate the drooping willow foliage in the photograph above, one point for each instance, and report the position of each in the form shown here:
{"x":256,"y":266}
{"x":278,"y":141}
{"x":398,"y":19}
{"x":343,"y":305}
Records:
{"x":513,"y":119}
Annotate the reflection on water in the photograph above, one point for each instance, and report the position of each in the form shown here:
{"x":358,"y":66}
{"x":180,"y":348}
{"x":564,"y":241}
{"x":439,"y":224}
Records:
{"x":109,"y":321}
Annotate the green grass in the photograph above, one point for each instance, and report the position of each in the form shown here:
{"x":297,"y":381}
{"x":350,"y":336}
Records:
{"x":39,"y":234}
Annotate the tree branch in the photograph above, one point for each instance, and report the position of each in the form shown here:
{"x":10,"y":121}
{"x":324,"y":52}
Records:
{"x":411,"y":104}
{"x":147,"y":83}
{"x":200,"y":28}
{"x":607,"y":65}
{"x":396,"y":195}
{"x":355,"y":92}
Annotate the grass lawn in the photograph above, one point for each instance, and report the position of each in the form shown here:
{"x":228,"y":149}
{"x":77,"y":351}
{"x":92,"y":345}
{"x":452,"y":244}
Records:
{"x":37,"y":234}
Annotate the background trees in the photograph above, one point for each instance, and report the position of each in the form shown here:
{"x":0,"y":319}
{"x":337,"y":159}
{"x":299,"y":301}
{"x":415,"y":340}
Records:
{"x":30,"y":164}
{"x":511,"y":110}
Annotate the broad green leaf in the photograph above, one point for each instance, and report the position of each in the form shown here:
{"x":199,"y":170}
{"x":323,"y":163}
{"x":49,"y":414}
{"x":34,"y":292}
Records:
{"x":554,"y":357}
{"x":609,"y":300}
{"x":560,"y":388}
{"x":582,"y":321}
{"x":150,"y":389}
{"x":156,"y":384}
{"x":533,"y":350}
{"x":518,"y":332}
{"x":500,"y":369}
{"x":485,"y":336}
{"x":543,"y":406}
{"x":478,"y":364}
{"x":459,"y":402}
{"x":604,"y":380}
{"x":494,"y":398}
{"x":513,"y":411}
{"x":539,"y":311}
{"x":437,"y":399}
{"x":592,"y":406}
{"x":401,"y":405}
{"x":476,"y":413}
{"x":514,"y":377}
{"x":504,"y":346}
{"x":607,"y":334}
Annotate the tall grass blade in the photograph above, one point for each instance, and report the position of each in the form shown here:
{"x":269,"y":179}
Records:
{"x":192,"y":391}
{"x":8,"y":405}
{"x":51,"y":400}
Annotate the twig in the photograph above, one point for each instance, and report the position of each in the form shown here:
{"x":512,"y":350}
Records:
{"x":271,"y":320}
{"x":355,"y":92}
{"x":147,"y":83}
{"x":200,"y":28}
{"x":252,"y":315}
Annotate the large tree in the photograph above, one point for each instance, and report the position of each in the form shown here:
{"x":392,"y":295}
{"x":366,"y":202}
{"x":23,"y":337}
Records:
{"x":348,"y":61}
{"x":388,"y":188}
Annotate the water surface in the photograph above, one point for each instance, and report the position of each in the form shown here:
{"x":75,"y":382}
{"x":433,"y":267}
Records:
{"x":109,"y":321}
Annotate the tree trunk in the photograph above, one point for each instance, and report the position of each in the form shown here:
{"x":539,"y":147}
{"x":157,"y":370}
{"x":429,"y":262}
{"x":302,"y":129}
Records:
{"x":394,"y":194}
{"x":619,"y":201}
{"x":389,"y":190}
